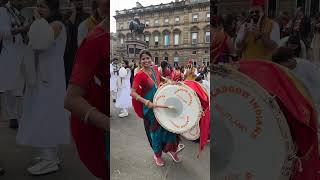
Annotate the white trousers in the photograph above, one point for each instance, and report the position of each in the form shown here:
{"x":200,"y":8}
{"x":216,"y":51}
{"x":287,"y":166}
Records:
{"x":11,"y":105}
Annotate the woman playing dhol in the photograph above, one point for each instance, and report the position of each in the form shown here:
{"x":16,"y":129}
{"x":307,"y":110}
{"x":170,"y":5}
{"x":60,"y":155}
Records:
{"x":144,"y":87}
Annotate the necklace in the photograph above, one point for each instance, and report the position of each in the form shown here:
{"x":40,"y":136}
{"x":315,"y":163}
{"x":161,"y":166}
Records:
{"x":153,"y":74}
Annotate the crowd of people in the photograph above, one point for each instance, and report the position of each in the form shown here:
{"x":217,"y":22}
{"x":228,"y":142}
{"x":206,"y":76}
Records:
{"x":254,"y":35}
{"x":34,"y":82}
{"x":261,"y":47}
{"x":122,"y":76}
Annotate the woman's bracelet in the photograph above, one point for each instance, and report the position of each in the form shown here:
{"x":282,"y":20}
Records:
{"x":85,"y":120}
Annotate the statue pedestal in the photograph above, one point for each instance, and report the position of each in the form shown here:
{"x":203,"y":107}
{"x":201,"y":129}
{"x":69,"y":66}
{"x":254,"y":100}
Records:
{"x":133,"y":49}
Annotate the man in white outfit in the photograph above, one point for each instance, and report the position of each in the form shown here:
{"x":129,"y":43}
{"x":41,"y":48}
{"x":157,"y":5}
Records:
{"x":12,"y":35}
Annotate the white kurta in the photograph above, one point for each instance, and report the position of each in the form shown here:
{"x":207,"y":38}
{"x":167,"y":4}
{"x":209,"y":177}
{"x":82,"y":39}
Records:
{"x":82,"y":32}
{"x":303,"y":54}
{"x":124,"y":99}
{"x":45,"y":122}
{"x":11,"y":56}
{"x":309,"y":74}
{"x":113,"y":80}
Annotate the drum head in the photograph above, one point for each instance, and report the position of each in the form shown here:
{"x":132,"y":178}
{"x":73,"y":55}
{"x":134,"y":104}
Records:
{"x":186,"y":110}
{"x":192,"y":134}
{"x":247,"y":120}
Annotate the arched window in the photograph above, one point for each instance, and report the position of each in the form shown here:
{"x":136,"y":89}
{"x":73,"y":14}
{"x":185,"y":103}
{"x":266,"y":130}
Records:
{"x":206,"y":36}
{"x":166,"y":39}
{"x":156,"y":38}
{"x":177,"y":37}
{"x":194,"y":35}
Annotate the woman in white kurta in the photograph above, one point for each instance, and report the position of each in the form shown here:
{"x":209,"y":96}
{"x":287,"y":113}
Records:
{"x":11,"y":55}
{"x":113,"y":82}
{"x":45,"y":122}
{"x":124,"y":101}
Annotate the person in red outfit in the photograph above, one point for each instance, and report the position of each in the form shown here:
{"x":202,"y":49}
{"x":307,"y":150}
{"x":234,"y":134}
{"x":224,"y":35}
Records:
{"x":87,"y":99}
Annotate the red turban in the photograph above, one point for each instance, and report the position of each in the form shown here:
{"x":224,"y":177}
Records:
{"x":257,"y":3}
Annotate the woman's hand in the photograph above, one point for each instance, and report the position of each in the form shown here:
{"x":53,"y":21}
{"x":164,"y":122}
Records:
{"x":150,"y":105}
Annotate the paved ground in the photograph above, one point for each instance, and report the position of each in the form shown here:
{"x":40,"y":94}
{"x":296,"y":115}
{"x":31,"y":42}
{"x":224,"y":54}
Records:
{"x":131,"y":155}
{"x":15,"y":160}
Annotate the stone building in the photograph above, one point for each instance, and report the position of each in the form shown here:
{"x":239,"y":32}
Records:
{"x":176,"y":31}
{"x":273,"y":7}
{"x":113,"y":45}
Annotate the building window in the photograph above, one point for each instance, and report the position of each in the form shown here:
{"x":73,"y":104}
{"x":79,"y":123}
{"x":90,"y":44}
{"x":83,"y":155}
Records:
{"x":156,"y":41}
{"x":147,"y":23}
{"x":208,"y":16}
{"x":166,"y":58}
{"x":206,"y":62}
{"x":207,"y":37}
{"x":166,"y":40}
{"x":147,"y":39}
{"x":206,"y":51}
{"x":194,"y":38}
{"x":176,"y":39}
{"x":194,"y":52}
{"x":121,"y":26}
{"x":177,"y":20}
{"x":175,"y":61}
{"x":156,"y":60}
{"x":121,"y":41}
{"x":166,"y":21}
{"x":195,"y":18}
{"x":156,"y":22}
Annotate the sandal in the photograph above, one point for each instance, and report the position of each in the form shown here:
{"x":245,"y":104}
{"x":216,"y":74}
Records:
{"x":180,"y":147}
{"x":158,"y":161}
{"x":175,"y":157}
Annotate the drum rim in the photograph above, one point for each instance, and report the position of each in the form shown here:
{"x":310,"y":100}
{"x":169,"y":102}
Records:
{"x":194,"y":137}
{"x":286,"y":137}
{"x":185,"y":134}
{"x":199,"y":115}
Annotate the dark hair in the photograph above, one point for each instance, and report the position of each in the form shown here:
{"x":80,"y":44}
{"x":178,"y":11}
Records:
{"x":216,"y":21}
{"x":54,"y":6}
{"x":295,"y":40}
{"x":94,"y":5}
{"x":164,"y":64}
{"x":144,"y":51}
{"x":126,"y":62}
{"x":282,"y":54}
{"x":200,"y":77}
{"x":228,"y":21}
{"x":178,"y":68}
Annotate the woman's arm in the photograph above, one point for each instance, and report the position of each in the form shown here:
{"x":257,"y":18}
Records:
{"x":144,"y":101}
{"x":75,"y":103}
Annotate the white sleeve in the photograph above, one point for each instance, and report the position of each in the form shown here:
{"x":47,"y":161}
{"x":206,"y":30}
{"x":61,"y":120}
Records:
{"x":275,"y":33}
{"x":240,"y":36}
{"x":283,"y":42}
{"x":5,"y":28}
{"x":303,"y":50}
{"x":82,"y":32}
{"x":196,"y":71}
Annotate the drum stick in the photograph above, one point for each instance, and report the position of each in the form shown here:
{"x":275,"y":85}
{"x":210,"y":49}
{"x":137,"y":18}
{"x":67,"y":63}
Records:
{"x":163,"y":106}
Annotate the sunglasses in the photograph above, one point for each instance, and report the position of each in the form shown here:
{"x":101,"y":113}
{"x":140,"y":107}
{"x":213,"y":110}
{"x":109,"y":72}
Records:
{"x":254,"y":12}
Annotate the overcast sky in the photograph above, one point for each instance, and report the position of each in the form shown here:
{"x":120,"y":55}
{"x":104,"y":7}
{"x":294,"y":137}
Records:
{"x":128,"y":4}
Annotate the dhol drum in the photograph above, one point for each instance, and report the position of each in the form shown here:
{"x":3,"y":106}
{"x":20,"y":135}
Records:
{"x":246,"y":120}
{"x":194,"y":133}
{"x":185,"y":111}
